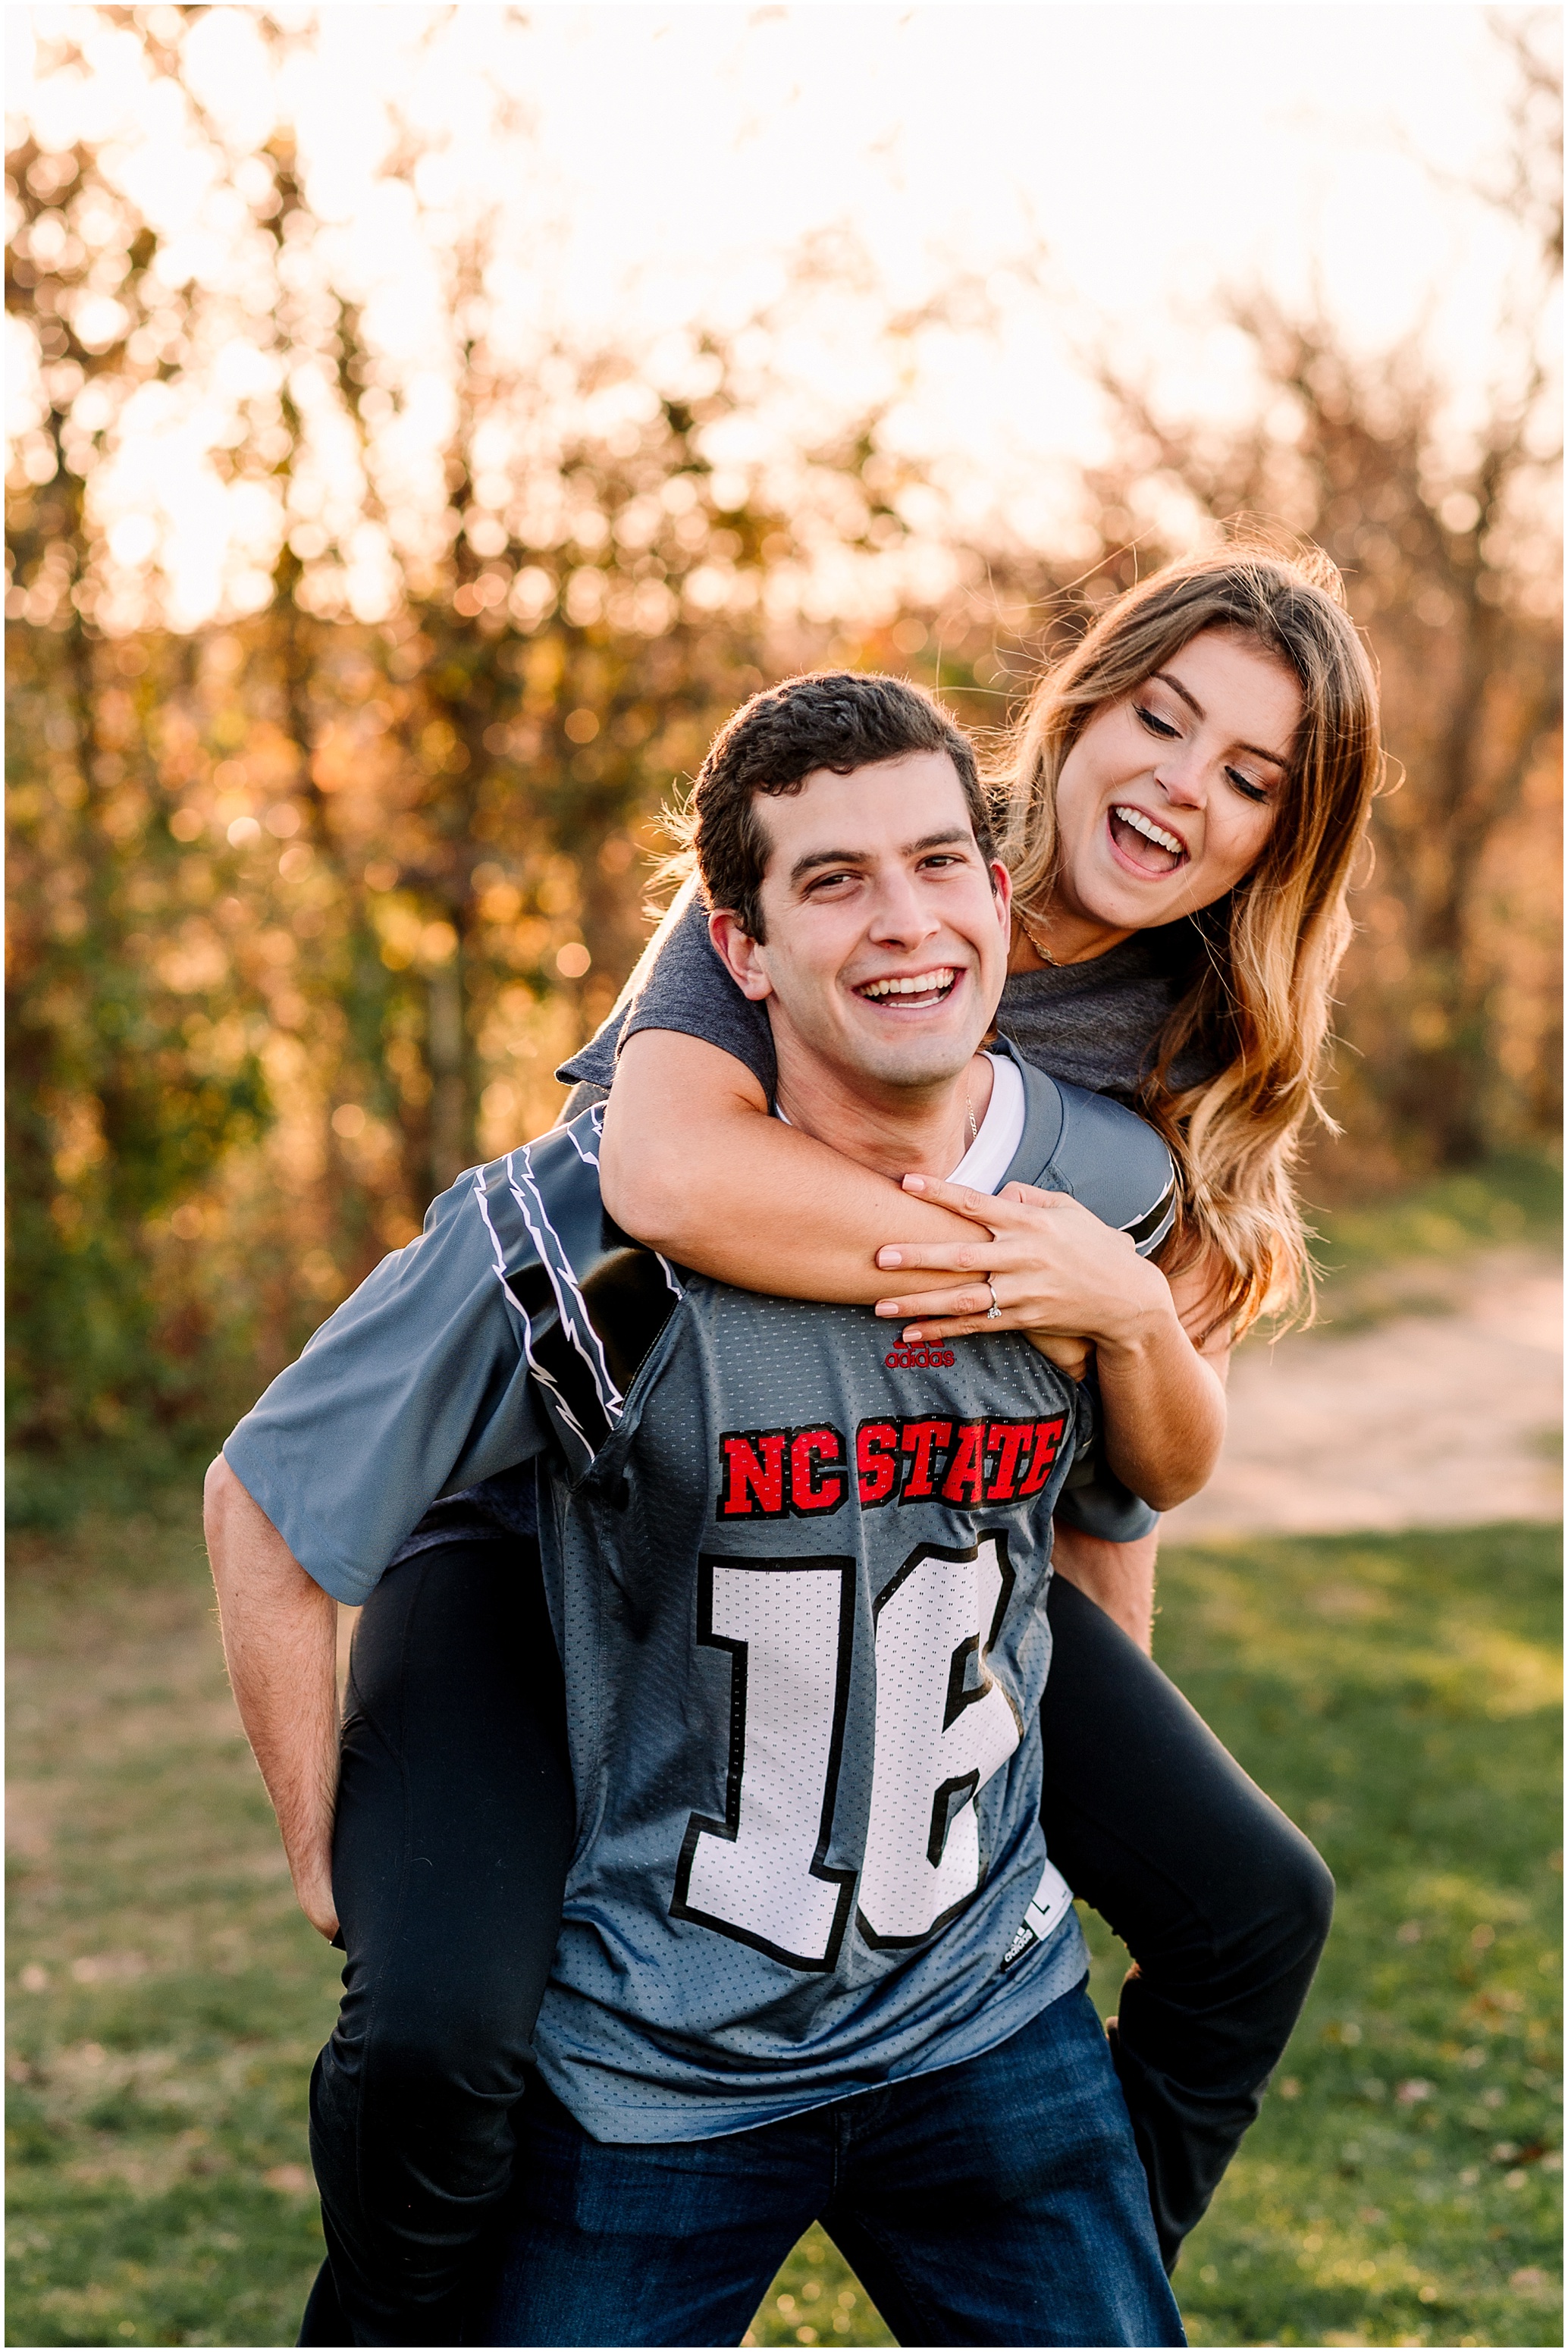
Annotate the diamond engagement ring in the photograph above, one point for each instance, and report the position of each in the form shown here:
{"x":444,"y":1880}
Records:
{"x":994,"y":1312}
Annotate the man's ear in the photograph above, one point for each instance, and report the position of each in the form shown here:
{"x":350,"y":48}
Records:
{"x":1002,"y":889}
{"x":741,"y":957}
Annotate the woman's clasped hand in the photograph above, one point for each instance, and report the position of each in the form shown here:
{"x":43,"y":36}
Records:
{"x":1048,"y":1264}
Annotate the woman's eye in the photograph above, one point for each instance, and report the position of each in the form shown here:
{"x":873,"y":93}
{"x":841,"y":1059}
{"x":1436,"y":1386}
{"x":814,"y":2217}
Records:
{"x":1245,"y":785}
{"x":1155,"y":726}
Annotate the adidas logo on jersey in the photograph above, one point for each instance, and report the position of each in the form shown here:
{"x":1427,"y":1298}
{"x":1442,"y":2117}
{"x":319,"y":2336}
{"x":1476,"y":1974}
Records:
{"x":1044,"y":1915}
{"x":1022,"y":1942}
{"x":909,"y":1359}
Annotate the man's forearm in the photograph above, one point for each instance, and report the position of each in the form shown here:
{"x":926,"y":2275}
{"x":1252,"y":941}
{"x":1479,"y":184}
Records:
{"x":1164,"y":1412}
{"x":1117,"y":1577}
{"x":279,"y":1638}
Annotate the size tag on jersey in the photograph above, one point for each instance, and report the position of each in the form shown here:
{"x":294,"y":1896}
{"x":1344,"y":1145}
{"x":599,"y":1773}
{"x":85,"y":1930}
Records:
{"x":1053,"y":1897}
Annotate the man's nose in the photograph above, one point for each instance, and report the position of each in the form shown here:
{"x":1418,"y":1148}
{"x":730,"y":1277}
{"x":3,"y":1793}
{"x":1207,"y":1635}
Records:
{"x":900,"y":915}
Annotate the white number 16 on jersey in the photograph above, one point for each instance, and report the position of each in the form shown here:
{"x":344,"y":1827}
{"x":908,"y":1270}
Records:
{"x":944,"y":1725}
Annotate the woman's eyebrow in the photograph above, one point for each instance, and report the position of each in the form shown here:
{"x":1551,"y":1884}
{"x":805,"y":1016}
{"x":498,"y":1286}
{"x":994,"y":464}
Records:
{"x":1195,"y":707}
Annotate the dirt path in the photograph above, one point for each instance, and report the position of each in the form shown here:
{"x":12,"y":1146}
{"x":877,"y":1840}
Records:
{"x":1444,"y":1414}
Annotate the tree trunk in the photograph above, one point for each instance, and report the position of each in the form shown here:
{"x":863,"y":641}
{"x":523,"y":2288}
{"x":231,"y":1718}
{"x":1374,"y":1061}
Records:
{"x":452,"y":1128}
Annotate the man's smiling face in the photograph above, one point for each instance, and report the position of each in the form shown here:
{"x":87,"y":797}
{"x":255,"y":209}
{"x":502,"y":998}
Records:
{"x":886,"y":930}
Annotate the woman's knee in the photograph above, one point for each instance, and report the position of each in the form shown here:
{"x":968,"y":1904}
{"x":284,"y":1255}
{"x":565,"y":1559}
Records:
{"x":1268,"y":1932}
{"x":1304,"y":1892}
{"x":1262,"y":1904}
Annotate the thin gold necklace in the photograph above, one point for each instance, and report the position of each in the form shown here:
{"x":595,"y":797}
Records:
{"x":974,"y":1129}
{"x":1041,"y":950}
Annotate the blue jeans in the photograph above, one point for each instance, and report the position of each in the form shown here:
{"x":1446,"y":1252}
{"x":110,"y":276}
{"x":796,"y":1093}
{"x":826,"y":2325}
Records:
{"x":1001,"y":2201}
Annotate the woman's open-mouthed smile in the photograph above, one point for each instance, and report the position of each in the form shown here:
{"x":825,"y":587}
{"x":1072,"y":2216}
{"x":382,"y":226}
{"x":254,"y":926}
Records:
{"x":1166,"y":799}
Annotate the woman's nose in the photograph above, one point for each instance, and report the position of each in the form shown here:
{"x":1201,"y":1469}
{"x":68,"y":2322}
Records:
{"x":1182,"y":778}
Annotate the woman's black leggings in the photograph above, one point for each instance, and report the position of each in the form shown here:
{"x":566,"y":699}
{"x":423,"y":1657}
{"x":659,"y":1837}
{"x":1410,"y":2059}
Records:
{"x":454,"y":1825}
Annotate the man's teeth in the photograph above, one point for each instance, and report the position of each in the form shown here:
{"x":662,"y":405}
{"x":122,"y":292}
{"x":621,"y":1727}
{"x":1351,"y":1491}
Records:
{"x":1151,"y":831}
{"x":924,"y":983}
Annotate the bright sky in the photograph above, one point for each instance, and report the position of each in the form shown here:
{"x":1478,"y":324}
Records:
{"x":643,"y":165}
{"x":1150,"y":148}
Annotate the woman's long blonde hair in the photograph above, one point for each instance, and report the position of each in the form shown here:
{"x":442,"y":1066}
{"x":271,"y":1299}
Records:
{"x":1259,"y":1000}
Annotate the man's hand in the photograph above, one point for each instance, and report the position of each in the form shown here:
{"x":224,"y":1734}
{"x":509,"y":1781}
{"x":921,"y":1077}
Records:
{"x":279,"y":1638}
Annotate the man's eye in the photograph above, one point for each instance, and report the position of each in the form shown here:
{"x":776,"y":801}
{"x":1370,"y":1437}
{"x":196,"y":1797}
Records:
{"x":1155,"y":726}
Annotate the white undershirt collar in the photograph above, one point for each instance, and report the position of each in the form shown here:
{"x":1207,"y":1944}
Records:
{"x":993,"y":1150}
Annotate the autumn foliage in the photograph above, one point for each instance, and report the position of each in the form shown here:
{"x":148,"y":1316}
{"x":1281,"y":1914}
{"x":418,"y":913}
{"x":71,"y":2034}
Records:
{"x":308,"y":899}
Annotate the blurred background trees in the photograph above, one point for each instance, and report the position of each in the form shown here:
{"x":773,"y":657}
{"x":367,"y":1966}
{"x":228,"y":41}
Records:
{"x":308,"y":899}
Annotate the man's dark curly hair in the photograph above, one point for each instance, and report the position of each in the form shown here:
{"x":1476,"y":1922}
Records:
{"x":836,"y":719}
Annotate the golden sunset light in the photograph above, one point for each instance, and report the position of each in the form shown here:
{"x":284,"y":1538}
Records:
{"x":783,"y":1165}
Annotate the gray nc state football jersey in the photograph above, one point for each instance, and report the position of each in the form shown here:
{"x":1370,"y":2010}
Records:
{"x":797,"y":1571}
{"x":800,"y":1600}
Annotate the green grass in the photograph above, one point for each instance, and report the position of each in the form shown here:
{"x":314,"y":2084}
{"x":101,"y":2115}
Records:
{"x":1397,"y":1693}
{"x":1410,"y":1252}
{"x":156,"y":2107}
{"x":1399,"y":1696}
{"x":1504,"y":1201}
